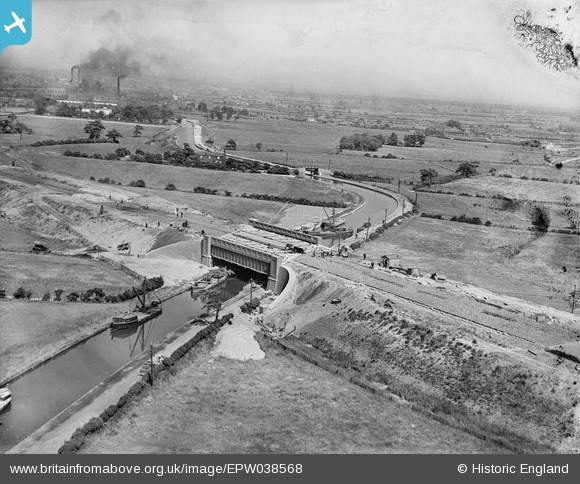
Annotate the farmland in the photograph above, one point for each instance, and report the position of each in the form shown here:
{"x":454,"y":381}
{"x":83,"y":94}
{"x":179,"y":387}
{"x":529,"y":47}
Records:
{"x":46,"y":272}
{"x":57,"y":128}
{"x":158,"y":176}
{"x":482,"y":323}
{"x":507,"y":261}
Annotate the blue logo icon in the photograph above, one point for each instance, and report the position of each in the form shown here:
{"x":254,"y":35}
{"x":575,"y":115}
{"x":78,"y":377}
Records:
{"x":15,"y":22}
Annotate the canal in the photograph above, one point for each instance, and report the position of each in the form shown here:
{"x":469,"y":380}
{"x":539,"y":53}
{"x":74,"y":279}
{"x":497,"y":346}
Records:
{"x":51,"y":387}
{"x":376,"y":208}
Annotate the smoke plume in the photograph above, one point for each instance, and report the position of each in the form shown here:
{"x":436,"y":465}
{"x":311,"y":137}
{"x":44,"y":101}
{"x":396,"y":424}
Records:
{"x":114,"y":63}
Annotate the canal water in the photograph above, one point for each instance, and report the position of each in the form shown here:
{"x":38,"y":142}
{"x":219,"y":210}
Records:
{"x":376,"y":208}
{"x":45,"y":391}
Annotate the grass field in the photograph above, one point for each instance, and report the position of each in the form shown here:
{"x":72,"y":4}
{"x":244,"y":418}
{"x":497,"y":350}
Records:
{"x":33,"y":331}
{"x":56,"y":128}
{"x":512,"y":262}
{"x":509,"y":187}
{"x":238,"y":210}
{"x":17,"y":238}
{"x":46,"y":273}
{"x":487,"y":209}
{"x":158,"y":176}
{"x":279,"y":405}
{"x":312,"y":143}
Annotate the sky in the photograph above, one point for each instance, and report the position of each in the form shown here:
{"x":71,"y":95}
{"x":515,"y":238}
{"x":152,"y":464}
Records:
{"x":460,"y":50}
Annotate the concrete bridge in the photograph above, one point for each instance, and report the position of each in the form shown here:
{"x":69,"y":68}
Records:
{"x":261,"y":247}
{"x":240,"y":254}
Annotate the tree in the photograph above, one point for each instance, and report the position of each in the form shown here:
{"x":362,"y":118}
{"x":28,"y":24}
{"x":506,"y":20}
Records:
{"x":94,"y":129}
{"x":121,"y":152}
{"x":137,"y":131}
{"x":454,"y":124}
{"x":230,"y":145}
{"x":259,"y":146}
{"x":170,"y":186}
{"x":22,"y":293}
{"x":40,"y":104}
{"x":414,"y":140}
{"x":571,"y":299}
{"x":113,"y":135}
{"x":393,"y":140}
{"x":466,"y":169}
{"x":540,"y":218}
{"x":202,"y":107}
{"x":428,"y":175}
{"x":212,"y":302}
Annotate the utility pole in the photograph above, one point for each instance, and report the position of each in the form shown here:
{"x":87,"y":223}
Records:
{"x":399,"y":189}
{"x":386,"y":210}
{"x":329,"y":162}
{"x":573,"y":299}
{"x":368,"y":228}
{"x":151,"y":364}
{"x":286,"y":158}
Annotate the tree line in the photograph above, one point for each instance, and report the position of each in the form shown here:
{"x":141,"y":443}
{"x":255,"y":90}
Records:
{"x":372,"y":142}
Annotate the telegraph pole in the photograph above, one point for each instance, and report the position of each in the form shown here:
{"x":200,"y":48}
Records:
{"x":399,"y":189}
{"x":368,"y":228}
{"x":329,"y":162}
{"x":573,"y":299}
{"x":151,"y":363}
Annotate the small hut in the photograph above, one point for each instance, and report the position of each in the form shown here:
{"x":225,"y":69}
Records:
{"x":389,"y":261}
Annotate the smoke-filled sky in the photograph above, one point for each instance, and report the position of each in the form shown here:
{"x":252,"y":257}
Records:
{"x":445,"y":49}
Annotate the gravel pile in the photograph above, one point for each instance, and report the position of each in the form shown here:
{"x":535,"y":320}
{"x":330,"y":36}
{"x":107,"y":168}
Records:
{"x":236,"y":341}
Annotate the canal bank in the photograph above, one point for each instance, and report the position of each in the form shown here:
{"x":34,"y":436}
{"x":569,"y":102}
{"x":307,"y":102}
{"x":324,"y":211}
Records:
{"x":50,"y":436}
{"x":44,"y":392}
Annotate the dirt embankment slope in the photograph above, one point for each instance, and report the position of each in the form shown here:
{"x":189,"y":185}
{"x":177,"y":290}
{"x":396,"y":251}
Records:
{"x":478,"y":378}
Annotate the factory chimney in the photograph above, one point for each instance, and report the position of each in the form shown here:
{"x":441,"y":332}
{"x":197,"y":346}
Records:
{"x":119,"y":85}
{"x":78,"y":68}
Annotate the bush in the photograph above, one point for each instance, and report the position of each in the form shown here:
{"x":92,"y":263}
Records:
{"x":467,"y":220}
{"x":540,"y":218}
{"x":22,"y":293}
{"x":137,"y":183}
{"x":73,"y":296}
{"x":488,"y":224}
{"x":46,"y":296}
{"x":170,"y":186}
{"x":94,"y":424}
{"x":249,"y":306}
{"x":108,"y":412}
{"x":355,"y":245}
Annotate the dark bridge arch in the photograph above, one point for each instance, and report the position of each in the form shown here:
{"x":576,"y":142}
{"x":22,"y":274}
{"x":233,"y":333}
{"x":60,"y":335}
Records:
{"x":256,"y":260}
